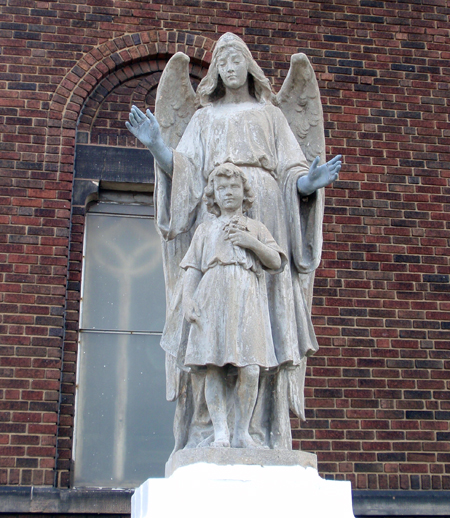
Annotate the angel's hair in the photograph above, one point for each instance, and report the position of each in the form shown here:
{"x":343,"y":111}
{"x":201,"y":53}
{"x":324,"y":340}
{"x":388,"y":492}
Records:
{"x":212,"y":88}
{"x":228,"y":170}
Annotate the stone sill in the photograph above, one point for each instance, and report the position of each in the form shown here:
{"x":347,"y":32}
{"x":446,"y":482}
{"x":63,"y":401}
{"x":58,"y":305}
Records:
{"x":46,"y":500}
{"x":401,"y":503}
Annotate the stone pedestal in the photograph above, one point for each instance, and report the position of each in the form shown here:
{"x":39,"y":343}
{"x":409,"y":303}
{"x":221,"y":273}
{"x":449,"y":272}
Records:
{"x":287,"y":484}
{"x":240,"y":456}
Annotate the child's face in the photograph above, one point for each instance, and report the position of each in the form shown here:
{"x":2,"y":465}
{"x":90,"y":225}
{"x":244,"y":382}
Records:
{"x":228,"y":193}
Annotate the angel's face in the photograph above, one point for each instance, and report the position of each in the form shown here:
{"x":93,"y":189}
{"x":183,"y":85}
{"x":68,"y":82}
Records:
{"x":233,"y":68}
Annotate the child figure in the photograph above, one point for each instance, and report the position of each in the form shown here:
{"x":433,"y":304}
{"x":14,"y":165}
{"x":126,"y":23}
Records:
{"x":225,"y":300}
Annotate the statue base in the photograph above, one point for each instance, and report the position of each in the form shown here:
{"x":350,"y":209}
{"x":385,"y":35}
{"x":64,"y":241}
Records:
{"x":240,"y":456}
{"x":206,"y":489}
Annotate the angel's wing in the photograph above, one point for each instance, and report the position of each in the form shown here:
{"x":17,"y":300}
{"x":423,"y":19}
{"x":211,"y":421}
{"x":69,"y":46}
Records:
{"x":175,"y":99}
{"x":299,"y":100}
{"x":174,"y":107}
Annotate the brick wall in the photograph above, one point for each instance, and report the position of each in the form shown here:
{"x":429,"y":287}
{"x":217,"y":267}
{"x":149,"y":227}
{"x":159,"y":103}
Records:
{"x":378,"y":394}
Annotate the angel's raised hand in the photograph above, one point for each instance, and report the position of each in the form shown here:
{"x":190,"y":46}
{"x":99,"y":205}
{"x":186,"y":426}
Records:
{"x":319,"y":176}
{"x":144,"y":127}
{"x":334,"y":166}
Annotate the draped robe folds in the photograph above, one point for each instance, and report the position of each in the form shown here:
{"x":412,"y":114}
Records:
{"x":257,"y":138}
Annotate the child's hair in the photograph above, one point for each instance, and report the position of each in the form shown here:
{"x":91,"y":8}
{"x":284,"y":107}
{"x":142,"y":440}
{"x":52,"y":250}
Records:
{"x":228,"y":170}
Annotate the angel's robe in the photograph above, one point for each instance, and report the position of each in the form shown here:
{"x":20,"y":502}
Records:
{"x":257,"y":138}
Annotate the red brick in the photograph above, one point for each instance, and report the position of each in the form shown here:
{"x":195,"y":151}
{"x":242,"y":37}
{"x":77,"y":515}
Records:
{"x":385,"y":224}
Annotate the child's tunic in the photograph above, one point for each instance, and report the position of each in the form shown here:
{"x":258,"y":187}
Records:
{"x":234,"y":322}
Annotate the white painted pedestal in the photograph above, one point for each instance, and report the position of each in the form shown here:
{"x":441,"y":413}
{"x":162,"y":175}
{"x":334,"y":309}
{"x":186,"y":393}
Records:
{"x":205,"y":490}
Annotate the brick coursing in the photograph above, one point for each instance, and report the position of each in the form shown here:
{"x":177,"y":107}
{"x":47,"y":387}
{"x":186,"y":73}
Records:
{"x":378,"y":398}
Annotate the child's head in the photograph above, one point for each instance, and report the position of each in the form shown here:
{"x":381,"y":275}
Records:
{"x":227,"y":170}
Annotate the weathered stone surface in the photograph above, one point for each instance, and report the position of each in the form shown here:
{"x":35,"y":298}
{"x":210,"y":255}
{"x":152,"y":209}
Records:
{"x":238,"y":328}
{"x":240,"y":456}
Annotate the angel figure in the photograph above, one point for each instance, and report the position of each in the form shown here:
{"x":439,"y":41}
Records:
{"x":235,"y":118}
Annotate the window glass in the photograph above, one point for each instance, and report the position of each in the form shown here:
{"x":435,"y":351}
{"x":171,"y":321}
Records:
{"x":123,"y":286}
{"x":123,"y":429}
{"x":124,"y":434}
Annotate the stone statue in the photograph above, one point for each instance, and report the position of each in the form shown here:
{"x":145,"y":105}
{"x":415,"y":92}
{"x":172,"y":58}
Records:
{"x":277,"y":144}
{"x":233,"y":330}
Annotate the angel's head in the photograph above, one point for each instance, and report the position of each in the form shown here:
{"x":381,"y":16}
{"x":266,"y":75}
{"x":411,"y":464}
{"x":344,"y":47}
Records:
{"x":228,"y":187}
{"x":212,"y":87}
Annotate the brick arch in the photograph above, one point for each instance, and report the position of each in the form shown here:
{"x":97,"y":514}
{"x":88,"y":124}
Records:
{"x":105,"y":111}
{"x":138,"y":80}
{"x":96,"y":65}
{"x":118,"y":53}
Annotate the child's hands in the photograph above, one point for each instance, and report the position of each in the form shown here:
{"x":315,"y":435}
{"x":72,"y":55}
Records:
{"x":269,"y":257}
{"x":191,"y":311}
{"x":241,"y":238}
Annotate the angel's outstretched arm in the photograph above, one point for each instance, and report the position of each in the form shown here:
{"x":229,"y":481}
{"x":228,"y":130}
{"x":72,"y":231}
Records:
{"x":146,"y":129}
{"x":319,"y":176}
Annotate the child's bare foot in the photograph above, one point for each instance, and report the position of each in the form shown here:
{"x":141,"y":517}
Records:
{"x":221,"y":443}
{"x":221,"y":440}
{"x":244,"y":440}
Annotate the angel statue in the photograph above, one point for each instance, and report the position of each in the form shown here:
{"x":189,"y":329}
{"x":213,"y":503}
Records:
{"x":278,"y":142}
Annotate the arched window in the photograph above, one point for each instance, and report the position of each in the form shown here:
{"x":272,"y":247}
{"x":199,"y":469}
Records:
{"x":117,"y":430}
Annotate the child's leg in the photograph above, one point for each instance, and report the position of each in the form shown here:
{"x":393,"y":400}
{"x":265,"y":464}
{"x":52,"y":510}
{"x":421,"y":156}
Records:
{"x":200,"y":422}
{"x":244,"y":404}
{"x":216,"y":399}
